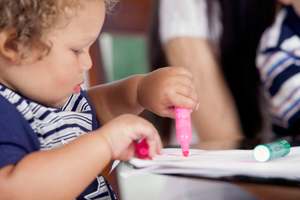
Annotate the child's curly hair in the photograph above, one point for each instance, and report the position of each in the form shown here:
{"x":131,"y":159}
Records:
{"x":29,"y":20}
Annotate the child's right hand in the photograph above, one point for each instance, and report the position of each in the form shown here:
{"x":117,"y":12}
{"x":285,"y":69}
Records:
{"x":122,"y":132}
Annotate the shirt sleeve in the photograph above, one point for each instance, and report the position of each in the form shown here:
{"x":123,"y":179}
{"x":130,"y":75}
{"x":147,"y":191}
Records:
{"x":179,"y":18}
{"x":279,"y":70}
{"x":17,"y":139}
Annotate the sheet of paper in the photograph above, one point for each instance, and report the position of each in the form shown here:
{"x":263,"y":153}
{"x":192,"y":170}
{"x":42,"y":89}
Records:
{"x":216,"y":164}
{"x":114,"y":165}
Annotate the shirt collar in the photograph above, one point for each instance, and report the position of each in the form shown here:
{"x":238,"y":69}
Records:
{"x":293,"y":20}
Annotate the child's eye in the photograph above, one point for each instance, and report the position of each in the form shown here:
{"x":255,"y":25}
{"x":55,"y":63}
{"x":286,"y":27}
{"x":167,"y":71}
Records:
{"x":77,"y":51}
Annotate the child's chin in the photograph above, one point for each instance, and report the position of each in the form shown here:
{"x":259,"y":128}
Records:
{"x":77,"y":89}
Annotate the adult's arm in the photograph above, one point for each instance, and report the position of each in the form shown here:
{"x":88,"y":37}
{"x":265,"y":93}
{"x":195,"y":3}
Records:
{"x":217,"y":116}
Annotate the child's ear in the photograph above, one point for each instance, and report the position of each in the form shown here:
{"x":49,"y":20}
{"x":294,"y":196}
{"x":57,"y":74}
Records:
{"x":285,"y":2}
{"x":9,"y":47}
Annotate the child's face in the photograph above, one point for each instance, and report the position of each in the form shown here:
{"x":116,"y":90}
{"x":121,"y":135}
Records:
{"x":51,"y":80}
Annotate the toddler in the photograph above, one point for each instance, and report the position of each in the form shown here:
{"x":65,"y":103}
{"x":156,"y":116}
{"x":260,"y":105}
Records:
{"x":54,"y":138}
{"x":278,"y":63}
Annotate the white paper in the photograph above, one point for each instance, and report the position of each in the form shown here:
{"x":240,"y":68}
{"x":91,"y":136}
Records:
{"x":216,"y":164}
{"x":114,"y":165}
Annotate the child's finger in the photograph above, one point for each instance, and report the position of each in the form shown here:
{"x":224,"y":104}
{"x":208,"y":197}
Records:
{"x":143,"y":129}
{"x":183,"y":71}
{"x":129,"y":153}
{"x":143,"y":145}
{"x":184,"y":94}
{"x":150,"y":134}
{"x":188,"y":93}
{"x":184,"y":80}
{"x":159,"y":146}
{"x":152,"y":147}
{"x":183,"y":101}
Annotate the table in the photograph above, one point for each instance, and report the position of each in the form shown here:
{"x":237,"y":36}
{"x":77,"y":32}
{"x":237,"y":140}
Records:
{"x":152,"y":186}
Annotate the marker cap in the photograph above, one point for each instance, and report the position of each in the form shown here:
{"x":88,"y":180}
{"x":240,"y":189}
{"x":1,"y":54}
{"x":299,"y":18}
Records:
{"x":270,"y":151}
{"x":141,"y":148}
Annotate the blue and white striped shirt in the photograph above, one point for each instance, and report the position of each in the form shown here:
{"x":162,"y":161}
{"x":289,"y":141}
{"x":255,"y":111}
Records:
{"x":27,"y":126}
{"x":278,"y":63}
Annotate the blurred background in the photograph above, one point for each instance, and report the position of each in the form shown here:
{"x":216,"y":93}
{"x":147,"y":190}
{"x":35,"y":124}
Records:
{"x":121,"y":49}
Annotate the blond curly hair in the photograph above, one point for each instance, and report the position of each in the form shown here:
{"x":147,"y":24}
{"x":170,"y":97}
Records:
{"x":29,"y":20}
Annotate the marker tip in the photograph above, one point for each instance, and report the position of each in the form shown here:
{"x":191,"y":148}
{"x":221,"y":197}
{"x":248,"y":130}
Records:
{"x":185,"y":153}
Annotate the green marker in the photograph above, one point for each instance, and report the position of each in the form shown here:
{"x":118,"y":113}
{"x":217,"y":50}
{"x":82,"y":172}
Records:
{"x":270,"y":151}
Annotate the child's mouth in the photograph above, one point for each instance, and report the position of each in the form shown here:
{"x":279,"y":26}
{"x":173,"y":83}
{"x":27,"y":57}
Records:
{"x":77,"y":89}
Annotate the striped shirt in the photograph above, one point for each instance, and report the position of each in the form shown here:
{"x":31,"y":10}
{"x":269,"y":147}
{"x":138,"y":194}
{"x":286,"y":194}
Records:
{"x":27,"y":126}
{"x":278,"y":63}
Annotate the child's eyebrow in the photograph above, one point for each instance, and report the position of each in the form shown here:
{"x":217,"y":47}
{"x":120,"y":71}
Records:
{"x":86,"y":40}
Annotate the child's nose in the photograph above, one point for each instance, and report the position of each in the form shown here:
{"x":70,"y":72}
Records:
{"x":87,"y":64}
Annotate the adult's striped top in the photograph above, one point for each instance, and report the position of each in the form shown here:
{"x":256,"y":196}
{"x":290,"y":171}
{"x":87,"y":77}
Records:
{"x":278,"y":63}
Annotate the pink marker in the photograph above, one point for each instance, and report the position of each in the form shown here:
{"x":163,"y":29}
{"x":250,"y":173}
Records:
{"x":141,"y":148}
{"x":183,"y":129}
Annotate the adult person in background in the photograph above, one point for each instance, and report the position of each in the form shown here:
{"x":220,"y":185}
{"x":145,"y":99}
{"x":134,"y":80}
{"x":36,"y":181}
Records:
{"x":278,"y":65}
{"x":216,"y":40}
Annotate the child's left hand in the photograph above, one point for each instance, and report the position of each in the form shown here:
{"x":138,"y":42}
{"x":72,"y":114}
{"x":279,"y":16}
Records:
{"x":162,"y":89}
